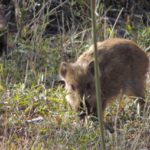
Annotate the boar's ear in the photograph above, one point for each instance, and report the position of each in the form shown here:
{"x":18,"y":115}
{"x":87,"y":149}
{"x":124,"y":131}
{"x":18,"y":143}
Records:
{"x":63,"y":69}
{"x":91,"y":67}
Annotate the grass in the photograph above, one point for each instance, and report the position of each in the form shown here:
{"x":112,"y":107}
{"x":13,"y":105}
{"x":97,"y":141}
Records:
{"x":58,"y":127}
{"x":33,"y":110}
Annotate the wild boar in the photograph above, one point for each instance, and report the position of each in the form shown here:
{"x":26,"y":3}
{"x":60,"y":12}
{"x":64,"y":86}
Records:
{"x":123,"y":68}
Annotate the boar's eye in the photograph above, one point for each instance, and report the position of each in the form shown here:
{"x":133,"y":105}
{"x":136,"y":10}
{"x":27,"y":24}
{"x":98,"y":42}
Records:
{"x":73,"y":87}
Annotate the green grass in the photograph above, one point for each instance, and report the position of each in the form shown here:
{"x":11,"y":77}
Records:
{"x":59,"y":127}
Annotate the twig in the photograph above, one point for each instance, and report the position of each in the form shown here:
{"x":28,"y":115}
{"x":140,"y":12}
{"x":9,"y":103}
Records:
{"x":116,"y":22}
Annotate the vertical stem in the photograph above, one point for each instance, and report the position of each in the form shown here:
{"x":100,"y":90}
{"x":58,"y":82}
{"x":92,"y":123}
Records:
{"x":97,"y":76}
{"x":18,"y":19}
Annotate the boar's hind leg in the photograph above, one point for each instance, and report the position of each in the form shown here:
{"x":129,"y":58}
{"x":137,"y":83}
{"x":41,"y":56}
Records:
{"x":138,"y":90}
